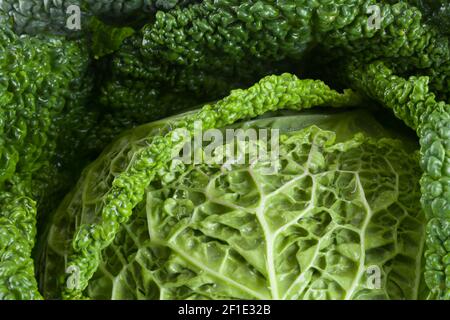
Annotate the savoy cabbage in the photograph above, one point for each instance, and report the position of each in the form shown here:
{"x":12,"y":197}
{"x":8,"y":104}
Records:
{"x":342,"y":206}
{"x":354,"y":204}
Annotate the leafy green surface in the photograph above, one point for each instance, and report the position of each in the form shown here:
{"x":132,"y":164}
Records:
{"x":311,"y":231}
{"x":436,"y":12}
{"x":17,"y":238}
{"x":133,"y":9}
{"x":63,"y":101}
{"x":411,"y":101}
{"x":107,"y":39}
{"x":35,"y":17}
{"x":43,"y":91}
{"x":267,"y":31}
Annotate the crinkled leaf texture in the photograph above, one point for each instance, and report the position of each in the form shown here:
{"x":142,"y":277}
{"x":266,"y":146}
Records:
{"x":342,"y":209}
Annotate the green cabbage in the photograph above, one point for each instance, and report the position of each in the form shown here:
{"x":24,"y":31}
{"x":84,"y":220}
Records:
{"x":355,"y":206}
{"x":342,"y":208}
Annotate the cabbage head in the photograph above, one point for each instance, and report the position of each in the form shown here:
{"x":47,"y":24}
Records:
{"x":340,"y":219}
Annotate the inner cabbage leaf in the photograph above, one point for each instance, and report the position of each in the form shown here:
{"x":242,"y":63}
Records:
{"x":341,"y":219}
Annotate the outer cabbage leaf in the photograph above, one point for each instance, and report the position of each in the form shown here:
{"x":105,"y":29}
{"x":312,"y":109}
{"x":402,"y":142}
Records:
{"x":44,"y":91}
